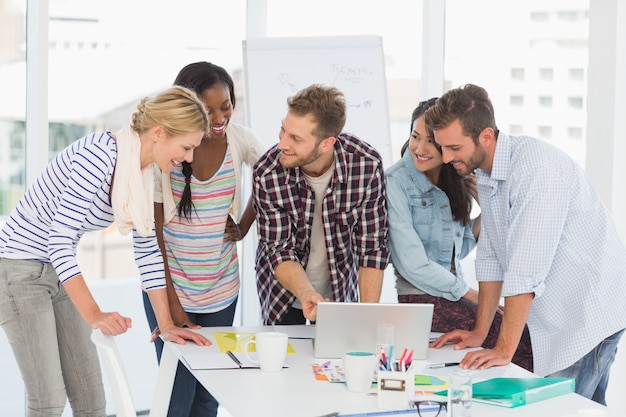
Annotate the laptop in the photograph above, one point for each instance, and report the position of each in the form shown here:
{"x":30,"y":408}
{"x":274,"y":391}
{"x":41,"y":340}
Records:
{"x":342,"y":327}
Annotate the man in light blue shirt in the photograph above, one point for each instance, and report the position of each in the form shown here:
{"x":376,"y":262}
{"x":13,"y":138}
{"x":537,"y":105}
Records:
{"x":548,"y":246}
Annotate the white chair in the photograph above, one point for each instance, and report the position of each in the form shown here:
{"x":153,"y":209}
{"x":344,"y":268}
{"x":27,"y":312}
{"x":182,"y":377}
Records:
{"x":110,"y":355}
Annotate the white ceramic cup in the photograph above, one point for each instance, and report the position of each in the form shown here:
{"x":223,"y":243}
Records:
{"x":358,"y":368}
{"x":271,"y":349}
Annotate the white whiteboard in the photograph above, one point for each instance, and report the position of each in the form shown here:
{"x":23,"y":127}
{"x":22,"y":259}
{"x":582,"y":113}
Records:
{"x":277,"y":68}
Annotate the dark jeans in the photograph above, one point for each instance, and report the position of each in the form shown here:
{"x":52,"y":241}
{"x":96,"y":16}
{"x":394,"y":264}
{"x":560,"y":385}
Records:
{"x":189,"y":397}
{"x":450,"y":315}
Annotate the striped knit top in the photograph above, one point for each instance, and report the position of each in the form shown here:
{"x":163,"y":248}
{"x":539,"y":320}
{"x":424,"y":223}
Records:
{"x":204,"y":268}
{"x":71,"y":197}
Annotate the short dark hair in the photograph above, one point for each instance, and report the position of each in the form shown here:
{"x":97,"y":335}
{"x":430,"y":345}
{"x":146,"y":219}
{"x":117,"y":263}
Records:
{"x":470,"y":104}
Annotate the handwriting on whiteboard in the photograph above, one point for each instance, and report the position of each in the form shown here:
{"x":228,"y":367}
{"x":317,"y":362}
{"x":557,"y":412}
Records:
{"x":341,"y":76}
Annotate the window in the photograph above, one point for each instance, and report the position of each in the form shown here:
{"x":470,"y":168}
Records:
{"x":576,"y":74}
{"x":545,"y":101}
{"x":571,"y":15}
{"x":575,"y":133}
{"x":516,"y":101}
{"x":516,"y":130}
{"x":575,"y":102}
{"x":548,"y":66}
{"x":517,"y":74}
{"x":539,"y":16}
{"x":12,"y":105}
{"x":546,"y":74}
{"x":84,"y":37}
{"x":545,"y":132}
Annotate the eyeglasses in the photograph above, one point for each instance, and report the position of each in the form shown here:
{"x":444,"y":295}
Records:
{"x":425,"y":408}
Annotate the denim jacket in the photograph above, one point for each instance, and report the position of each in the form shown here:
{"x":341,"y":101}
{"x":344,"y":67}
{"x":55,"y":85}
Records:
{"x":423,"y":234}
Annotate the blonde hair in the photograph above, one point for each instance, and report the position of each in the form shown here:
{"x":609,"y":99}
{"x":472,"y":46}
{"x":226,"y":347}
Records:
{"x":177,"y":109}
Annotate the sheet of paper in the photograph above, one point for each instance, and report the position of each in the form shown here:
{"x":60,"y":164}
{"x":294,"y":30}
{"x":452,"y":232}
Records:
{"x":212,"y":360}
{"x":206,"y":360}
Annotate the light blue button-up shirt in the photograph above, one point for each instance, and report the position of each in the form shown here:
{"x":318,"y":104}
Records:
{"x":546,"y":231}
{"x":423,"y":235}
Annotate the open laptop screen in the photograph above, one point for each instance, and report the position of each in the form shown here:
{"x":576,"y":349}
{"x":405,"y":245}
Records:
{"x":342,"y":327}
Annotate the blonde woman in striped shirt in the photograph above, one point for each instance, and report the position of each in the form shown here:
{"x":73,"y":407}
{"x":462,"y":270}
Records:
{"x":46,"y":308}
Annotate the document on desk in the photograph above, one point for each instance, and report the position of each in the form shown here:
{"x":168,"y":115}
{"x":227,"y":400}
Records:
{"x":217,"y":360}
{"x":200,"y":359}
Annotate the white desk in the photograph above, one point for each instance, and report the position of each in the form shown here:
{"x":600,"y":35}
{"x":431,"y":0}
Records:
{"x":295,"y":392}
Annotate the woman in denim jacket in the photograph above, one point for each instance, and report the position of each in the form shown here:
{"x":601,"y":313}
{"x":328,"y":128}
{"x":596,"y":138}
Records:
{"x":430,"y":231}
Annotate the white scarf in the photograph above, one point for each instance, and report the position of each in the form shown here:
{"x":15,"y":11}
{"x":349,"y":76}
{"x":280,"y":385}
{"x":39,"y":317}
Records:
{"x":133,"y":187}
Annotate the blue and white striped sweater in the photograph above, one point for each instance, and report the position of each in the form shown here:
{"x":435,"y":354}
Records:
{"x":71,"y":197}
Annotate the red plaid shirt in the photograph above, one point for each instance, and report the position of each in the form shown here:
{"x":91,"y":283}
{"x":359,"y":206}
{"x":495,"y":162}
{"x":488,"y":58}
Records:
{"x":354,"y":216}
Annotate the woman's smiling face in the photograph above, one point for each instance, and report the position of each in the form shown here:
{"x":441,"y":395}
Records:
{"x":219,"y":108}
{"x":424,"y":150}
{"x":170,"y":151}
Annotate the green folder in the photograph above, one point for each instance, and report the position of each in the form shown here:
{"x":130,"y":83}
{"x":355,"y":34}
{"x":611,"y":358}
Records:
{"x":514,"y":392}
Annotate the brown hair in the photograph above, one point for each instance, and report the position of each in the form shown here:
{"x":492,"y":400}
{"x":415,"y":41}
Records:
{"x":469,"y":104}
{"x":326,"y":104}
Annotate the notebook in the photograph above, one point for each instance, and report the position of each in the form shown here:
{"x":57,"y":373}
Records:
{"x":343,"y":327}
{"x":515,"y":392}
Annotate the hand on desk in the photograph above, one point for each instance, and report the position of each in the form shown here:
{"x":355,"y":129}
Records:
{"x":180,"y":335}
{"x":485,"y":358}
{"x":461,"y":339}
{"x":478,"y":359}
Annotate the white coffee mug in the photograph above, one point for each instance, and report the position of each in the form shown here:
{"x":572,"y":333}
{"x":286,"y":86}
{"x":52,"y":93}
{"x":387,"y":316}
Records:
{"x":358,"y":369}
{"x":271,"y":349}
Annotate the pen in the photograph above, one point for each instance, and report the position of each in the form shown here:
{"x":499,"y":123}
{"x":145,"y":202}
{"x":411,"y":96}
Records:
{"x":234,"y":358}
{"x":402,"y":360}
{"x":322,"y":366}
{"x":404,"y":352}
{"x":382,"y":413}
{"x":442,"y":365}
{"x":409,"y":358}
{"x":382,"y":354}
{"x":383,"y":358}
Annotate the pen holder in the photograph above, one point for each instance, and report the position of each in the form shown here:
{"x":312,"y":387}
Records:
{"x":395,"y":389}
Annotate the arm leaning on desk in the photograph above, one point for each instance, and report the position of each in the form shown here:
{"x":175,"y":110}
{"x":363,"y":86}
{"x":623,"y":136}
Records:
{"x":292,"y":391}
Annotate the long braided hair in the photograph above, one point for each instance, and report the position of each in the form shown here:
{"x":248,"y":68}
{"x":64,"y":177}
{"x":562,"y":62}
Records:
{"x":199,"y":76}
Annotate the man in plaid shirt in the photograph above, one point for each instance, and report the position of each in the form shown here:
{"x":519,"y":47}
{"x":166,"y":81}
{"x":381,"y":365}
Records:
{"x":319,"y":198}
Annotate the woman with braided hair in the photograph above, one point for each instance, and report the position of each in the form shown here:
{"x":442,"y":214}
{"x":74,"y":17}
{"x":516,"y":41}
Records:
{"x":200,"y":215}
